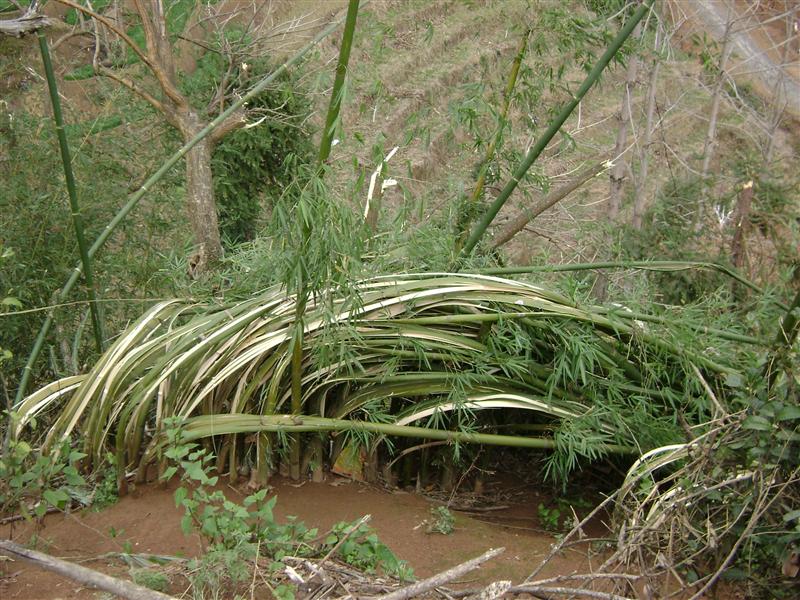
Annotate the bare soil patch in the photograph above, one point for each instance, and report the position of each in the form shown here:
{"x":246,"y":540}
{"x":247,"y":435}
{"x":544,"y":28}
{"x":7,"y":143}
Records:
{"x":148,"y":521}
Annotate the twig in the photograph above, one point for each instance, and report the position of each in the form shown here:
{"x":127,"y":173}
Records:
{"x":348,"y":533}
{"x":430,"y":583}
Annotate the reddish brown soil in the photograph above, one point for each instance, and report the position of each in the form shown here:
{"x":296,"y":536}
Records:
{"x":149,"y":521}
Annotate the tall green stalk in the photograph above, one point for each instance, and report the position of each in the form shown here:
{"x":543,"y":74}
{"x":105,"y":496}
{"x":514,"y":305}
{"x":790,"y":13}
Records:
{"x":147,"y":186}
{"x":338,"y":83}
{"x":72,"y":192}
{"x":555,"y":126}
{"x":479,"y":184}
{"x":302,"y":287}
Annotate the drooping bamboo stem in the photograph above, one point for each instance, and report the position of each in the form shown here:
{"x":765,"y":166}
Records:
{"x":200,"y":427}
{"x":147,"y":185}
{"x":338,"y":83}
{"x":501,"y":126}
{"x":72,"y":192}
{"x":647,"y":265}
{"x":555,"y":126}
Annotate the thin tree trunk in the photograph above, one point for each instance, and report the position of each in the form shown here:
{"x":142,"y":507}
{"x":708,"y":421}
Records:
{"x":520,"y":221}
{"x":711,"y":133}
{"x":201,"y":208}
{"x":640,"y":200}
{"x":779,"y":92}
{"x":625,"y":119}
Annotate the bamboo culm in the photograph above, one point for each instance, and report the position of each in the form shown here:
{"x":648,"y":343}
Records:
{"x":72,"y":192}
{"x":480,"y":229}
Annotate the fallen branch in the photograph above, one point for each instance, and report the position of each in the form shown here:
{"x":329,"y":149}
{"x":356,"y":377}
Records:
{"x":28,"y":22}
{"x":565,"y":591}
{"x":440,"y":579}
{"x":518,"y":223}
{"x":82,"y":575}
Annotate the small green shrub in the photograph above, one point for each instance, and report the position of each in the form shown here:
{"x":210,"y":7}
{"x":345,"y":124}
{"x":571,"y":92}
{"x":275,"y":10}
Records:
{"x":234,"y":534}
{"x":549,"y":517}
{"x":32,"y":483}
{"x":149,"y":578}
{"x":442,"y":522}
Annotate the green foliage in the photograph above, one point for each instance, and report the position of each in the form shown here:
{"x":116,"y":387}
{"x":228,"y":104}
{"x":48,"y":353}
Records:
{"x":549,"y":517}
{"x":607,"y":8}
{"x":235,"y":534}
{"x":252,"y":166}
{"x":35,"y":221}
{"x":32,"y":483}
{"x":669,"y":233}
{"x":105,"y":492}
{"x":150,"y":578}
{"x":358,"y":545}
{"x":442,"y":521}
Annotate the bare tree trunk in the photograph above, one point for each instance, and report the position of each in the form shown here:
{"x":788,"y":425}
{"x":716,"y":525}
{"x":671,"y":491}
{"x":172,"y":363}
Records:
{"x":200,"y":205}
{"x":80,"y":574}
{"x":711,"y":133}
{"x":779,"y":91}
{"x":625,"y":118}
{"x":640,"y":200}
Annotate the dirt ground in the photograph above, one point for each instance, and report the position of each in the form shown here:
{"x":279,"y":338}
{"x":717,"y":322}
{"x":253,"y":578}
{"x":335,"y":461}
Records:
{"x":149,"y":521}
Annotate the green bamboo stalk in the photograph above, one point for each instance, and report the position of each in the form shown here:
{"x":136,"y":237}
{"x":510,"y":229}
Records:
{"x":199,"y":427}
{"x":338,"y":84}
{"x":72,"y":192}
{"x":302,"y":292}
{"x":147,"y":185}
{"x":647,"y":265}
{"x":479,"y":184}
{"x":555,"y":126}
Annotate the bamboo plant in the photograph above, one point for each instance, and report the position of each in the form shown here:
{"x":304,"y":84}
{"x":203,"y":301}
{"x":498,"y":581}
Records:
{"x":424,"y":356}
{"x":72,"y":192}
{"x":594,"y":75}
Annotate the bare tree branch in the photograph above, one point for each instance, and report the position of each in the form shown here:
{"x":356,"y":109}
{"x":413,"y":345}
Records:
{"x":518,"y":223}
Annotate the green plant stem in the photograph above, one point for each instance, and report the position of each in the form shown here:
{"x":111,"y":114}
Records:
{"x":302,"y":291}
{"x":784,"y":340}
{"x":479,"y":184}
{"x":554,"y":127}
{"x":72,"y":192}
{"x":200,"y":427}
{"x":338,"y":83}
{"x":147,"y":185}
{"x":647,"y":265}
